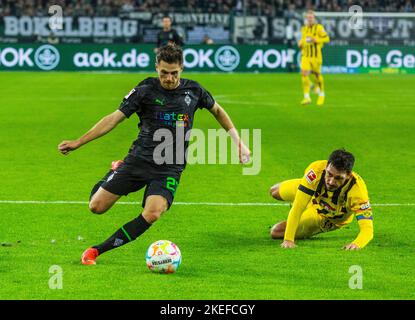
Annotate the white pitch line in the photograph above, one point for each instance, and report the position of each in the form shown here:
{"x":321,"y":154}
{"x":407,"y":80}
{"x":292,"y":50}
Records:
{"x":188,"y":203}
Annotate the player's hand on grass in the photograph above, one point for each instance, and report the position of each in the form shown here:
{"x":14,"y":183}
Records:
{"x":287,"y":244}
{"x":351,"y":246}
{"x":67,"y":146}
{"x":244,"y":154}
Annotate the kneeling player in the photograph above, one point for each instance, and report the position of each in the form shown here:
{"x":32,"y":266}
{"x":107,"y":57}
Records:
{"x":325,"y":199}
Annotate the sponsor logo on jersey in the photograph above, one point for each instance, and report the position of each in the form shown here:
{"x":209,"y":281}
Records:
{"x":365,"y":206}
{"x":130,"y":93}
{"x":159,"y":102}
{"x":111,"y":176}
{"x":173,"y":119}
{"x":311,"y":176}
{"x":326,"y":206}
{"x":188,"y":100}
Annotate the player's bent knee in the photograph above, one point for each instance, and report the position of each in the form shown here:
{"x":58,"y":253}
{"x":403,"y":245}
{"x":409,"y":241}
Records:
{"x":153,"y":212}
{"x":278,"y":230}
{"x":155,"y":206}
{"x":277,"y":234}
{"x":102,"y":201}
{"x":97,"y":207}
{"x":275,"y":192}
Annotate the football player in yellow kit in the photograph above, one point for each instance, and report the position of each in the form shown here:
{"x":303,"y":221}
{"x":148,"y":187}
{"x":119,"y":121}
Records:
{"x":325,"y":199}
{"x":313,"y":38}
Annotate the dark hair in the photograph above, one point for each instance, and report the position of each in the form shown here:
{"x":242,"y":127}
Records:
{"x":342,"y":160}
{"x":170,"y":54}
{"x":167,"y":17}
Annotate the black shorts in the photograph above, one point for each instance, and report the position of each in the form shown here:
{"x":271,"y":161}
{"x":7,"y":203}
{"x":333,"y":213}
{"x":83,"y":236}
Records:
{"x":132,"y":176}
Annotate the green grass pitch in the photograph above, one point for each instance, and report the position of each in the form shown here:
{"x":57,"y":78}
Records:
{"x":227,"y":251}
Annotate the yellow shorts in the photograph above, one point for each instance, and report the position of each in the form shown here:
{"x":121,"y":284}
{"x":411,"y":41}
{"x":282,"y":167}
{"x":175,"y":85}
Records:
{"x":311,"y":64}
{"x":311,"y":222}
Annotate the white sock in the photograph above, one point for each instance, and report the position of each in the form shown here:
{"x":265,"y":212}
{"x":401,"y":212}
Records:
{"x":321,"y":94}
{"x":306,"y":96}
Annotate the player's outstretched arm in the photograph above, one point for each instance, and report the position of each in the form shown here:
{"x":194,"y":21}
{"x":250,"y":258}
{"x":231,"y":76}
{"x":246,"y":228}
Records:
{"x":364,"y":237}
{"x":102,"y":127}
{"x":225,"y":121}
{"x":299,"y":205}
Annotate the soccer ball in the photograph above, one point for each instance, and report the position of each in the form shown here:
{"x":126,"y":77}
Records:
{"x":163,"y":256}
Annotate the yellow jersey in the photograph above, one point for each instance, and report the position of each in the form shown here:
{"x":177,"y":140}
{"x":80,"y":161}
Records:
{"x":341,"y":205}
{"x":311,"y":49}
{"x":338,"y":206}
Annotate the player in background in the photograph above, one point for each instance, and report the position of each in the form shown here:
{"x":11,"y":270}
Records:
{"x":325,"y":199}
{"x":168,"y":35}
{"x":313,"y":38}
{"x":169,"y":103}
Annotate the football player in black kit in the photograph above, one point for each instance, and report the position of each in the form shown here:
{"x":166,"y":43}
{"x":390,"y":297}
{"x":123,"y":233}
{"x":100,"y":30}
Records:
{"x":168,"y":35}
{"x":168,"y":103}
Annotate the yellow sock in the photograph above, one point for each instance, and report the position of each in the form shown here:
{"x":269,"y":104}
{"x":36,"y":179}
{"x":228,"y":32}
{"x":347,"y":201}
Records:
{"x":306,"y":85}
{"x":314,"y":81}
{"x":320,"y":82}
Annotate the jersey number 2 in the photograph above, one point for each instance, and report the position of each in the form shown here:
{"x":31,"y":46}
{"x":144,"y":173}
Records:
{"x":172,"y":184}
